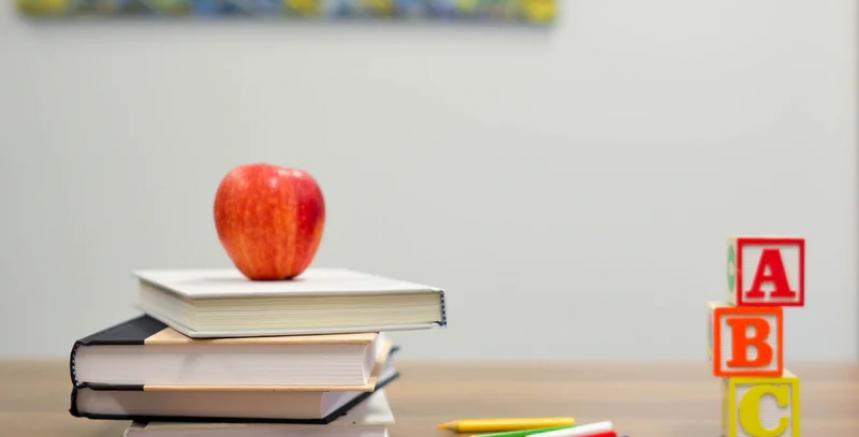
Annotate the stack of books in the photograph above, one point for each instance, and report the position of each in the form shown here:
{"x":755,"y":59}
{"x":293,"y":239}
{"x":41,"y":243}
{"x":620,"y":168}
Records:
{"x":217,"y":354}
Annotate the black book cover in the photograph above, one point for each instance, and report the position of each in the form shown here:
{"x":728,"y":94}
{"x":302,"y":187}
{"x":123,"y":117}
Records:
{"x":131,"y":332}
{"x":145,"y":419}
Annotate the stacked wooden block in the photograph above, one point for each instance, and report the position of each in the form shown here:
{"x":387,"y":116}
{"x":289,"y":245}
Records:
{"x":761,"y":397}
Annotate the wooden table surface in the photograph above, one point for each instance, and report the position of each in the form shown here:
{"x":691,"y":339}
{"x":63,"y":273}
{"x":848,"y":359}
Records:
{"x":644,"y":400}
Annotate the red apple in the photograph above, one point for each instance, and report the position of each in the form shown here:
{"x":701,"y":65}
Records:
{"x":269,"y":220}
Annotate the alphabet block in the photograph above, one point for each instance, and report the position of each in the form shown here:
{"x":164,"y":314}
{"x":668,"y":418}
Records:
{"x":766,"y":271}
{"x":762,"y":407}
{"x":746,"y":341}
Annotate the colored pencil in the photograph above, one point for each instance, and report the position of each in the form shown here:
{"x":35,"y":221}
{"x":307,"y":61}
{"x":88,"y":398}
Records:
{"x":599,"y":429}
{"x":511,"y":424}
{"x":521,"y":433}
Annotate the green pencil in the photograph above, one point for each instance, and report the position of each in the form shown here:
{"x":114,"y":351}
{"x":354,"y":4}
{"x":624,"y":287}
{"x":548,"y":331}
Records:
{"x":523,"y":432}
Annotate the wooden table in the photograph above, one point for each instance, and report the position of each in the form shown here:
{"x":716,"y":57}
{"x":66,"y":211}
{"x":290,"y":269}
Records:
{"x":647,"y":400}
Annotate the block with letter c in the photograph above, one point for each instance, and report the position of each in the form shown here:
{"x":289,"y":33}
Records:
{"x":762,"y":407}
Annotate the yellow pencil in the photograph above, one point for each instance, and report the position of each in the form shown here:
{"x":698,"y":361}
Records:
{"x":513,"y":424}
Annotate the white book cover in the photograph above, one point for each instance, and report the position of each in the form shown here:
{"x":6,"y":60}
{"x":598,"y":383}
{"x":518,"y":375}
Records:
{"x":204,"y":303}
{"x":230,"y":283}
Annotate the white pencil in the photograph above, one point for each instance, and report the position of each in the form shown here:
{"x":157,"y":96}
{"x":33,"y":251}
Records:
{"x":578,"y":431}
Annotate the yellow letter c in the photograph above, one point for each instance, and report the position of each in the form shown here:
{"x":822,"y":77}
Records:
{"x":750,"y":410}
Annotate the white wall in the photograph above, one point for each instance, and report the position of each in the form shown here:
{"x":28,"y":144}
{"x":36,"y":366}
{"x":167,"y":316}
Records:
{"x":571,"y":188}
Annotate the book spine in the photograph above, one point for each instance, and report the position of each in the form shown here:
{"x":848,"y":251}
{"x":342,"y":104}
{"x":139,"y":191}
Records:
{"x":73,"y":408}
{"x":443,"y":322}
{"x":72,"y":364}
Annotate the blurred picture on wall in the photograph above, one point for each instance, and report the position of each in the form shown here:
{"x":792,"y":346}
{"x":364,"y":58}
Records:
{"x":525,"y":11}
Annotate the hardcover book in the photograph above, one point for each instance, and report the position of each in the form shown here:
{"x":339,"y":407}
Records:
{"x":219,"y":406}
{"x":146,"y":352}
{"x":223,"y":303}
{"x":369,"y":419}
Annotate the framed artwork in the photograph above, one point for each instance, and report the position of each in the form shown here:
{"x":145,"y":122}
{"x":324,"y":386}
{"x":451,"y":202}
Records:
{"x":527,"y":11}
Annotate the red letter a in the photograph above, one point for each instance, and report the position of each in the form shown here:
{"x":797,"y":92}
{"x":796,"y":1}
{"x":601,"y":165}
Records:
{"x":771,"y":262}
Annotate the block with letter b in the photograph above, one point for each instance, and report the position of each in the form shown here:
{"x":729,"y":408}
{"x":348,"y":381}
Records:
{"x":762,"y":407}
{"x":766,"y":271}
{"x":746,"y":341}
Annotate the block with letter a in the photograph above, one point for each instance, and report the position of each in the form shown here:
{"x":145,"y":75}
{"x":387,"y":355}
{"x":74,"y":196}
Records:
{"x":762,"y":407}
{"x":766,"y":271}
{"x":746,"y":341}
